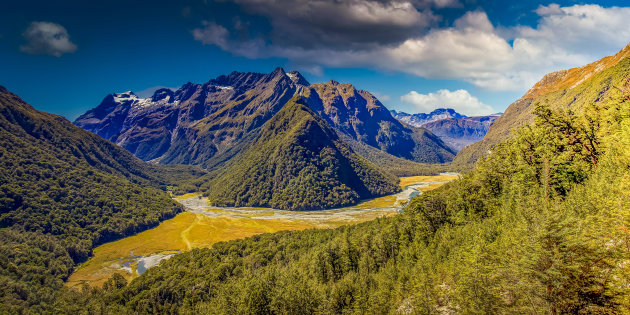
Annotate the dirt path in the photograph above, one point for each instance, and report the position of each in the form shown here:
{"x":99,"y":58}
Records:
{"x":186,"y":233}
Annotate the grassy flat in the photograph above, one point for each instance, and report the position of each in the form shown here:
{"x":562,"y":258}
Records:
{"x":198,"y":230}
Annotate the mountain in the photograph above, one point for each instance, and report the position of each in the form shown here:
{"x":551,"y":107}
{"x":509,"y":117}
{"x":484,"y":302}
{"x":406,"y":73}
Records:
{"x":420,"y":119}
{"x":569,"y":89}
{"x":359,"y":117}
{"x":460,"y":132}
{"x":298,"y":162}
{"x":203,"y":124}
{"x":208,"y":124}
{"x":455,"y":129}
{"x":63,"y":191}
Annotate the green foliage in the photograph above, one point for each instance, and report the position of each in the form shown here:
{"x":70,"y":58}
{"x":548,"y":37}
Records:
{"x":540,"y":226}
{"x":397,"y":166}
{"x":62,"y":192}
{"x":298,"y":163}
{"x":596,"y":88}
{"x":32,"y":268}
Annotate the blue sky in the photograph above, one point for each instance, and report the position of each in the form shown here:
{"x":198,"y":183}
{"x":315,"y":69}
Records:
{"x":415,"y":55}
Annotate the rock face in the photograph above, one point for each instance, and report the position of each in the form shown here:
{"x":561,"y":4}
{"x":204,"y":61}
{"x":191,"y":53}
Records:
{"x":420,"y":119}
{"x":208,"y":124}
{"x":298,"y":162}
{"x":569,"y":89}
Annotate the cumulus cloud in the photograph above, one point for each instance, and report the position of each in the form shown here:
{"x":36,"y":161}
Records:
{"x":46,"y":38}
{"x":400,"y":36}
{"x":343,"y":24}
{"x":459,"y":100}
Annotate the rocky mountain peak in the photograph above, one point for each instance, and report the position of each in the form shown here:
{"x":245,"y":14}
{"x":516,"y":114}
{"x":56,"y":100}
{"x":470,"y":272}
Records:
{"x":278,"y":71}
{"x":162,"y":94}
{"x":297,"y":78}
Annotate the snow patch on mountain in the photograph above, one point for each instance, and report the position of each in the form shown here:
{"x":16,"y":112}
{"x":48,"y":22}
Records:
{"x":420,"y":119}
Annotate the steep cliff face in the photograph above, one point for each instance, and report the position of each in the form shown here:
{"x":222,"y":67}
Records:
{"x":568,"y":89}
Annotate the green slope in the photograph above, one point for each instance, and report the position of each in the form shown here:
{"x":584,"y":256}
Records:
{"x":395,"y":165}
{"x":571,"y":89}
{"x":298,"y":162}
{"x":64,"y":190}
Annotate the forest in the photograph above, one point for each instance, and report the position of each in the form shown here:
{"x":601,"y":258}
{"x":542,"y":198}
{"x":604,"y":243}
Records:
{"x":63,"y":191}
{"x":539,"y":226}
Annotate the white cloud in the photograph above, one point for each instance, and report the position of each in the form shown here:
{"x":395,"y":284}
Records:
{"x":472,"y":49}
{"x":212,"y":34}
{"x":553,"y":8}
{"x":459,"y":100}
{"x":446,"y":3}
{"x":46,"y":38}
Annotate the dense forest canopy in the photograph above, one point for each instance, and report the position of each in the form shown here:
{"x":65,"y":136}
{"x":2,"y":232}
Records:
{"x":62,"y":192}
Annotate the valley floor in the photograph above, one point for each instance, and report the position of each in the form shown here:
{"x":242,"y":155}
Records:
{"x":203,"y":225}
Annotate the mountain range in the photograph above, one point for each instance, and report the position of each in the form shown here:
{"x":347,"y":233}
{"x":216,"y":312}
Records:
{"x":208,"y":124}
{"x":455,"y":129}
{"x":224,"y":124}
{"x":420,"y":119}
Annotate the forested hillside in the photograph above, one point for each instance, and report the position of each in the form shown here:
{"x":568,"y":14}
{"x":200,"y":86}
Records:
{"x":298,"y":162}
{"x":575,"y":88}
{"x":64,"y":190}
{"x":539,"y":226}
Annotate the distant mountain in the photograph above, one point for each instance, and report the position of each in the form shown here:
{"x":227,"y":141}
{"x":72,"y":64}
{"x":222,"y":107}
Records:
{"x":298,"y":162}
{"x":566,"y":90}
{"x":208,"y":124}
{"x":420,"y":119}
{"x":455,"y":129}
{"x":460,"y":132}
{"x":64,"y":190}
